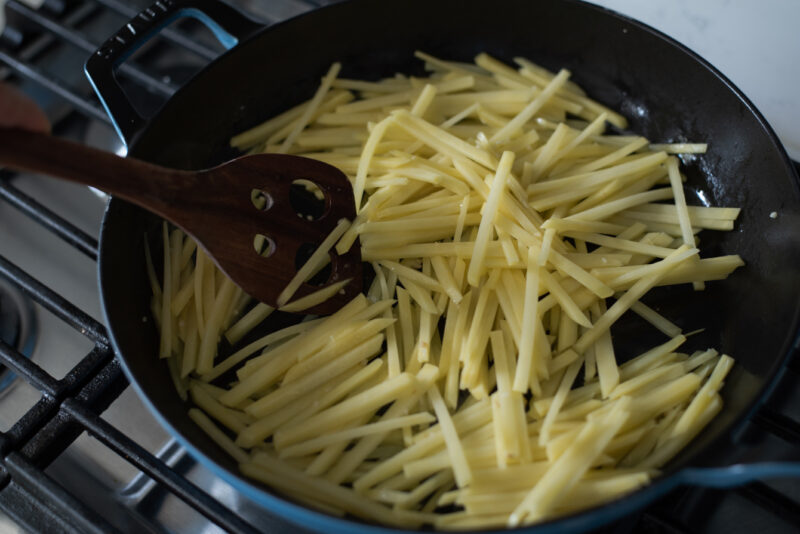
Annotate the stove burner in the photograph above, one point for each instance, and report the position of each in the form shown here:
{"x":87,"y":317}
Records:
{"x":17,"y":327}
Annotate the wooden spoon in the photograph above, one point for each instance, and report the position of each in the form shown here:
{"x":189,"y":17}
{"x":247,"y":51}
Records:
{"x":223,"y":208}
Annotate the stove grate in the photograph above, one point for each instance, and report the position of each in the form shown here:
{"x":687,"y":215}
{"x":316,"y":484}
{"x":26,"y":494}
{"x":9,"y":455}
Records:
{"x":44,"y":216}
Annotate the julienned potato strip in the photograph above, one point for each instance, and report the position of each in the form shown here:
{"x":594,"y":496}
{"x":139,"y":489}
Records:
{"x":476,"y":383}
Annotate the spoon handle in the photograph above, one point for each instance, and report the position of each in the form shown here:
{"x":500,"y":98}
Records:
{"x":216,"y":207}
{"x":145,"y":184}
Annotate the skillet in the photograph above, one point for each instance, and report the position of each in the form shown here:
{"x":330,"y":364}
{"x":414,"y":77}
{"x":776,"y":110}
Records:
{"x":667,"y":93}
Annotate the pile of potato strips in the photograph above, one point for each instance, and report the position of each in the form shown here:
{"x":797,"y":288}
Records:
{"x":475,"y":384}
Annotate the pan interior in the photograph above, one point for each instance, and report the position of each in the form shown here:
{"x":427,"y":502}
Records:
{"x":666,"y":93}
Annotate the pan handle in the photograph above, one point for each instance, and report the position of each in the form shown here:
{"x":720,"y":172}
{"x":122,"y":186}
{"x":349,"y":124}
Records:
{"x":228,"y":24}
{"x":737,"y":474}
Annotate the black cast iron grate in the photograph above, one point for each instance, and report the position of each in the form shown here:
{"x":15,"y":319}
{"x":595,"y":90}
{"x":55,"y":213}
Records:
{"x":73,"y":404}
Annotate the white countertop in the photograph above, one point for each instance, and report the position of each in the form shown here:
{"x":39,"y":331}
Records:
{"x":755,"y":43}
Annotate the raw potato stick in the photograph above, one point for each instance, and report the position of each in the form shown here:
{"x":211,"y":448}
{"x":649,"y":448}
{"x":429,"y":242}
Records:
{"x":508,"y":232}
{"x":312,"y":264}
{"x":565,"y":472}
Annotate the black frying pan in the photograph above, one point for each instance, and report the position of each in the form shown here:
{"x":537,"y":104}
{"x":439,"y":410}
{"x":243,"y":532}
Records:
{"x":667,"y":93}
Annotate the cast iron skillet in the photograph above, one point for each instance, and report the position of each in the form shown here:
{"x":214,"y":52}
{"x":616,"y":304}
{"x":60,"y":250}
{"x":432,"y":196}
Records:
{"x":667,"y":93}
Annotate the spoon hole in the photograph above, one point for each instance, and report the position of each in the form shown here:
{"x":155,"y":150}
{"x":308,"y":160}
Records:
{"x":307,"y":199}
{"x":261,"y":199}
{"x":264,"y":245}
{"x":323,"y":275}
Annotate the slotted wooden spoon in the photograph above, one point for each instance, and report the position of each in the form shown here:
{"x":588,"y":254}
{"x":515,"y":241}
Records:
{"x":224,"y":208}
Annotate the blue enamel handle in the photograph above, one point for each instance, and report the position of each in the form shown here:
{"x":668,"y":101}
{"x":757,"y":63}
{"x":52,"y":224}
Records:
{"x":229,"y":25}
{"x":737,"y":474}
{"x":709,"y":477}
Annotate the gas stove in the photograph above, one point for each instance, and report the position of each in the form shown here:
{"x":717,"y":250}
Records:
{"x":80,"y":452}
